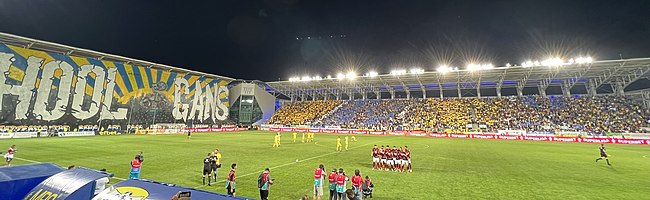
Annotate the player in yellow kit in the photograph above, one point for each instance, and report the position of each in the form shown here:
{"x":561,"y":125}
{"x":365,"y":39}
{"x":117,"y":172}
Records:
{"x":339,"y":147}
{"x":294,"y":136}
{"x":346,"y":142}
{"x":303,"y":137}
{"x":276,"y":140}
{"x":354,"y":139}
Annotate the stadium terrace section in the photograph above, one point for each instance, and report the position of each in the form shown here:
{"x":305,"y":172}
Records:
{"x":598,"y":115}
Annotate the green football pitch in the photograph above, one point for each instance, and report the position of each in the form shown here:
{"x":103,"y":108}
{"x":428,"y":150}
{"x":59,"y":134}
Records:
{"x":443,"y":168}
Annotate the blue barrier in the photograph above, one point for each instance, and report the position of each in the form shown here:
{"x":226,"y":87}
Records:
{"x":17,"y":181}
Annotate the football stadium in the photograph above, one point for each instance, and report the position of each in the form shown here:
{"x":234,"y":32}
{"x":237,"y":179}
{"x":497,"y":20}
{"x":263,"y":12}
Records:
{"x":82,"y":124}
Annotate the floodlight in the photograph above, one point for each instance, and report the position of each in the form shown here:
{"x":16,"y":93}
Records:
{"x":416,"y":71}
{"x":351,"y":75}
{"x":553,"y":62}
{"x":398,"y":72}
{"x":508,"y":65}
{"x":340,"y":76}
{"x":372,"y":74}
{"x":329,"y":76}
{"x":473,"y":67}
{"x":583,"y":60}
{"x":306,"y":78}
{"x":443,"y":69}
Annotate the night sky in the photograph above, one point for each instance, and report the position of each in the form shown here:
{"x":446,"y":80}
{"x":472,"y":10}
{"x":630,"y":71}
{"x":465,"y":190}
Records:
{"x":276,"y":39}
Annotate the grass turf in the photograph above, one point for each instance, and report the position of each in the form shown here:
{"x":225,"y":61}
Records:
{"x":443,"y":168}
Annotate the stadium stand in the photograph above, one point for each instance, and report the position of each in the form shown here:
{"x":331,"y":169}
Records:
{"x":302,"y":112}
{"x":595,"y":115}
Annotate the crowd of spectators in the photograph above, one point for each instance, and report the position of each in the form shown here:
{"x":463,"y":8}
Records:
{"x":368,"y":114}
{"x":299,"y":113}
{"x":597,"y":115}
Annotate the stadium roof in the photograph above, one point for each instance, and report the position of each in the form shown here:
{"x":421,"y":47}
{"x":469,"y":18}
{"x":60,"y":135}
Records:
{"x":617,"y":73}
{"x":35,"y":44}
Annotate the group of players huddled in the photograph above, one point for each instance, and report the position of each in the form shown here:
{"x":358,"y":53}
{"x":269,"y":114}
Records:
{"x":391,"y":159}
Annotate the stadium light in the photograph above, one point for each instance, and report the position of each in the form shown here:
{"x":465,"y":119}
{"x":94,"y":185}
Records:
{"x":340,"y":76}
{"x":508,"y":65}
{"x":475,"y":67}
{"x":584,"y":60}
{"x":372,"y":74}
{"x":329,"y":76}
{"x":398,"y":72}
{"x":552,"y":62}
{"x":305,"y":78}
{"x":443,"y":69}
{"x":351,"y":75}
{"x":416,"y":71}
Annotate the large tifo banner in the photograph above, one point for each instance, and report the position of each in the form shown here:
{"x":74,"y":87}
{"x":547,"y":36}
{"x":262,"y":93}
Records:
{"x":549,"y":138}
{"x":46,"y":88}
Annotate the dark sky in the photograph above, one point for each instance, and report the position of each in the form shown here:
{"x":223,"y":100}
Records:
{"x":257,"y":39}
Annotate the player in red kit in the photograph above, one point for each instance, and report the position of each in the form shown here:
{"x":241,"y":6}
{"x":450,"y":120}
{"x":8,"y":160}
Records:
{"x":375,"y":157}
{"x":382,"y":158}
{"x":409,"y":168}
{"x":10,"y":154}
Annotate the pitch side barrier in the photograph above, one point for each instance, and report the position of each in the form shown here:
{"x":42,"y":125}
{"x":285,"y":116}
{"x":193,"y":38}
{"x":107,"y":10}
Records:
{"x":494,"y":136}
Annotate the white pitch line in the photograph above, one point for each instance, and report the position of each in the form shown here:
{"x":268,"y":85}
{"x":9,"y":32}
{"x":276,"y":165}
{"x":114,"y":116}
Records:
{"x":299,"y":161}
{"x":28,"y":160}
{"x":33,"y":161}
{"x":646,"y":156}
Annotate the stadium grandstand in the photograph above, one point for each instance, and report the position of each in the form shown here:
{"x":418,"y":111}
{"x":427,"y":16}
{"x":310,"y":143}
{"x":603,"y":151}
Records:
{"x":577,"y":95}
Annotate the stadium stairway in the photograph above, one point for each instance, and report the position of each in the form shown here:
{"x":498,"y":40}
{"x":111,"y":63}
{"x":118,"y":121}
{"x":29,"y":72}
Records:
{"x":331,"y":111}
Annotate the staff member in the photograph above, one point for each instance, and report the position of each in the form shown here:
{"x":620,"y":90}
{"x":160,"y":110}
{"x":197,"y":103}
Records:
{"x":266,"y":181}
{"x":341,"y":180}
{"x":135,"y":168}
{"x":216,"y":163}
{"x":319,"y":177}
{"x":357,"y":180}
{"x":332,"y":181}
{"x":230,"y":182}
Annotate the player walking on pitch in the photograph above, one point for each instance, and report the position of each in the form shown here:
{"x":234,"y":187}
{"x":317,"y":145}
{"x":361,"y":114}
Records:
{"x":294,"y":136}
{"x":10,"y":154}
{"x":276,"y":140}
{"x":347,"y":141}
{"x":603,"y":154}
{"x":339,"y":147}
{"x":207,"y":167}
